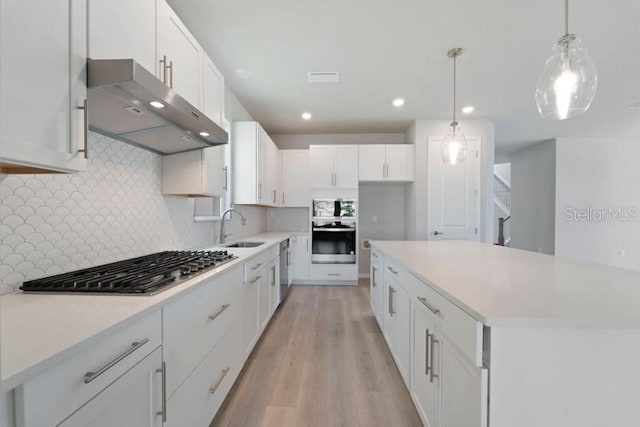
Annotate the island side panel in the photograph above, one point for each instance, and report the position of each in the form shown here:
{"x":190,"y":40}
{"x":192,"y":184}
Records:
{"x":564,"y":377}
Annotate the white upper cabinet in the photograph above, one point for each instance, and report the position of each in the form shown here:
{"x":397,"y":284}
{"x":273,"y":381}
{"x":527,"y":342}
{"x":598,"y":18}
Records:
{"x":123,"y":29}
{"x":334,"y":166}
{"x":393,"y":163}
{"x":199,"y":173}
{"x":180,"y":56}
{"x":213,"y":92}
{"x":43,"y":47}
{"x":295,"y":179}
{"x":256,"y":166}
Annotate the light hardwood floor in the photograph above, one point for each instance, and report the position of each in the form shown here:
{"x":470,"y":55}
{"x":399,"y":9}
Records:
{"x":321,"y":362}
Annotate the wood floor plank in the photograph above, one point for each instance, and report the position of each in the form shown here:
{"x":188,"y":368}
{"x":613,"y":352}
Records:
{"x":321,"y":362}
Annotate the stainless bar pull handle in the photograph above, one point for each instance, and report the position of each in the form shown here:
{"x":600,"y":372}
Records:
{"x":214,"y":387}
{"x":431,"y":308}
{"x":85,"y":110}
{"x":256,"y":279}
{"x":226,"y":178}
{"x":373,"y":276}
{"x":391,"y":292}
{"x":163,"y":412}
{"x":219,"y":312}
{"x":259,"y":191}
{"x":170,"y":68}
{"x":274,"y":196}
{"x":283,"y":199}
{"x":389,"y":302}
{"x":432,"y":369}
{"x":307,"y":245}
{"x":392,"y":270}
{"x":90,"y":376}
{"x":163,"y":65}
{"x":334,"y":274}
{"x":427,"y":366}
{"x":257,"y":266}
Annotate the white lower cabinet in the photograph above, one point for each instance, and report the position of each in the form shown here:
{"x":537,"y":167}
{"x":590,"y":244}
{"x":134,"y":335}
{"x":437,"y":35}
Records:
{"x":437,"y":347}
{"x":274,"y":285}
{"x":250,"y":318}
{"x":397,"y":324}
{"x":133,"y":400}
{"x":264,"y":309}
{"x":200,"y":396}
{"x":376,"y":290}
{"x":425,"y":382}
{"x":302,"y":258}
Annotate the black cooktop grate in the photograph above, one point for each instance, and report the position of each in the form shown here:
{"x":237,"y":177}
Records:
{"x":143,"y":275}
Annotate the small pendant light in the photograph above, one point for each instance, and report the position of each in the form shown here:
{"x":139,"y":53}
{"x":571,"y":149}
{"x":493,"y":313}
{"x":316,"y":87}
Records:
{"x":569,"y":80}
{"x":454,"y":144}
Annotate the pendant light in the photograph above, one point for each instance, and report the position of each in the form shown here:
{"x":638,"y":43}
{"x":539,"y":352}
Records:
{"x":569,"y":79}
{"x":454,"y":144}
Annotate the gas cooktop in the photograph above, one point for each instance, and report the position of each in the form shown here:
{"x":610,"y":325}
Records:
{"x":145,"y":275}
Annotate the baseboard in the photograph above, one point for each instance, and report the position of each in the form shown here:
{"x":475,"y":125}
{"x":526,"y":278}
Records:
{"x":325,"y":283}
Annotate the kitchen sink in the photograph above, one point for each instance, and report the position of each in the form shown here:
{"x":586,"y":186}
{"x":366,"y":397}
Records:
{"x":244,"y":245}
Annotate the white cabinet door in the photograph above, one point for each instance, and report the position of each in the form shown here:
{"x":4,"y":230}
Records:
{"x":424,"y":385}
{"x":322,"y":166}
{"x":264,"y":193}
{"x":377,"y":294}
{"x":212,"y":92}
{"x":43,"y":48}
{"x":346,"y":166}
{"x":274,"y":172}
{"x":302,"y":258}
{"x":295,"y":178}
{"x":214,"y":174}
{"x":123,"y":29}
{"x":461,"y":381}
{"x":264,"y":308}
{"x":250,"y":317}
{"x":184,"y":56}
{"x":274,"y":285}
{"x":453,"y":200}
{"x":371,"y":162}
{"x":397,"y":325}
{"x":133,"y":400}
{"x":399,"y":162}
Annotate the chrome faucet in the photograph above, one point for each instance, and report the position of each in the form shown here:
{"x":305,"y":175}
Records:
{"x":223,"y":236}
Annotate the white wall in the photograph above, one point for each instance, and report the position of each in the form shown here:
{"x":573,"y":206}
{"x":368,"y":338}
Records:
{"x":533,"y":182}
{"x":503,"y":170}
{"x":385,"y":202}
{"x":598,"y":173}
{"x":416,"y":221}
{"x":302,"y":141}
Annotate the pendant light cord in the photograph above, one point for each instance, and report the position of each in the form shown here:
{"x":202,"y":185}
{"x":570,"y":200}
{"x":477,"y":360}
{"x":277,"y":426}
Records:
{"x":454,"y":92}
{"x":566,"y":17}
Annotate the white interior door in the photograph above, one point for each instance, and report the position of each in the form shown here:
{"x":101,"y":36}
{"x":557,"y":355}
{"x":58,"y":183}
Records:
{"x":454,"y":194}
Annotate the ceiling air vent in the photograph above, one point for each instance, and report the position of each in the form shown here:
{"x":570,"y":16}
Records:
{"x":322,"y":76}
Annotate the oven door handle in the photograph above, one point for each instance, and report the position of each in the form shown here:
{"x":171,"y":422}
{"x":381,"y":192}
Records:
{"x":335,"y":230}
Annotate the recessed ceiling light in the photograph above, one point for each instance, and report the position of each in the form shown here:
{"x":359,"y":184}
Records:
{"x":468,"y":109}
{"x":243,"y":74}
{"x":306,"y":116}
{"x":204,"y":134}
{"x":398,"y":102}
{"x":156,"y":104}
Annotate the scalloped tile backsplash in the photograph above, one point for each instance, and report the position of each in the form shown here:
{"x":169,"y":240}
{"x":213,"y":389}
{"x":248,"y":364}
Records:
{"x":55,"y":223}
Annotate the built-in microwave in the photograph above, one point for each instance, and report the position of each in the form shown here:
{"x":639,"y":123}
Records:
{"x":334,"y":208}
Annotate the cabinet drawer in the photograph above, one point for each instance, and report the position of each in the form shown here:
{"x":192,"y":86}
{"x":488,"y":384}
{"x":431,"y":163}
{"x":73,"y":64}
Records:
{"x":462,"y":330}
{"x":331,"y":272}
{"x":376,"y":259}
{"x":395,"y":270}
{"x":255,"y":264}
{"x":54,"y":395}
{"x":198,"y":399}
{"x":194,"y":323}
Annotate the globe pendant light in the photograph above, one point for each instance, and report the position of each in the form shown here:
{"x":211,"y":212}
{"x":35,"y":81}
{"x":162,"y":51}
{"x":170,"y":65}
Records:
{"x":454,"y":144}
{"x":568,"y":83}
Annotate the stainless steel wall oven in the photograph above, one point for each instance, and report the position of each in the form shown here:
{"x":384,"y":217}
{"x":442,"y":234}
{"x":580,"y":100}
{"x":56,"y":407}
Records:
{"x":333,"y":231}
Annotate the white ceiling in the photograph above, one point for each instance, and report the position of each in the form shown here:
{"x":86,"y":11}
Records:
{"x":384,"y":49}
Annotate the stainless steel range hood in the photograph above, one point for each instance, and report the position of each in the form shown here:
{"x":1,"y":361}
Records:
{"x":121,"y":94}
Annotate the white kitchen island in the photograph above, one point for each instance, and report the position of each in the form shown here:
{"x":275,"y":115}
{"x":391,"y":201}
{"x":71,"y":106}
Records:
{"x":491,"y":336}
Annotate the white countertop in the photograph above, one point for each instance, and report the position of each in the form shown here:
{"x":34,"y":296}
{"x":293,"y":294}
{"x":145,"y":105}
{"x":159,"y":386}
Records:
{"x":41,"y":330}
{"x":509,"y":287}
